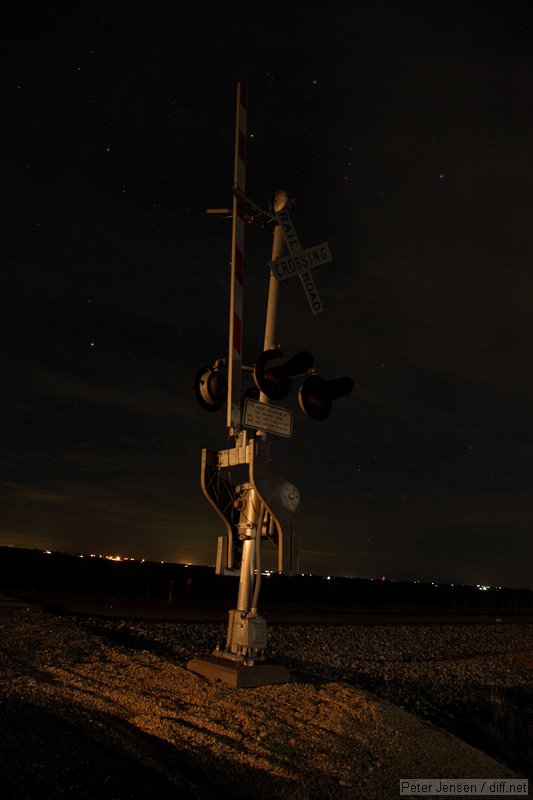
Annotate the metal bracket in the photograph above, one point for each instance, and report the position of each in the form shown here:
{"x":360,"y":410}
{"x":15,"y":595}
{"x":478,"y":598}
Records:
{"x":253,"y":213}
{"x":280,"y":498}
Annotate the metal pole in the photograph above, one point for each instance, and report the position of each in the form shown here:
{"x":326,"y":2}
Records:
{"x":246,"y":628}
{"x":246,"y":639}
{"x":251,"y":511}
{"x":249,"y":522}
{"x":279,"y":202}
{"x":246,"y":576}
{"x":270,"y":337}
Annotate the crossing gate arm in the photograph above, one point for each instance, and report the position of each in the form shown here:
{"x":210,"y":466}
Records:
{"x":237,"y":265}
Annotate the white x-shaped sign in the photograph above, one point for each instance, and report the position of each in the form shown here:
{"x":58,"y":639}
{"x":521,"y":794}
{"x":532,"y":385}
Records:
{"x":300,"y":262}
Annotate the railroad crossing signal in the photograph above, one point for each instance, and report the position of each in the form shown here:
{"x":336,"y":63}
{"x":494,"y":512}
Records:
{"x":316,"y":395}
{"x":263,"y":505}
{"x":274,"y":372}
{"x":273,"y":375}
{"x":210,"y":387}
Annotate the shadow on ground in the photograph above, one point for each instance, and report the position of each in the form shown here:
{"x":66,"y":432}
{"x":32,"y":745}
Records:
{"x":44,"y":756}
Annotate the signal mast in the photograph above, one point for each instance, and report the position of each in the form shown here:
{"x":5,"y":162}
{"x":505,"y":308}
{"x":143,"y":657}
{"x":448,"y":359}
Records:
{"x":259,"y":504}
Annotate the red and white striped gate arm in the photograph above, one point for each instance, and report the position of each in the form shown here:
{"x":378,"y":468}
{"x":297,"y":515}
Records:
{"x":237,"y":263}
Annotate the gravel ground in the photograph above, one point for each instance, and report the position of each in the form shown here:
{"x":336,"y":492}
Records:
{"x":94,"y":708}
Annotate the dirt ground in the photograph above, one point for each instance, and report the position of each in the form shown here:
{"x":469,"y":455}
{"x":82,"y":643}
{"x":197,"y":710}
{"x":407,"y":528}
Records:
{"x":84,"y":717}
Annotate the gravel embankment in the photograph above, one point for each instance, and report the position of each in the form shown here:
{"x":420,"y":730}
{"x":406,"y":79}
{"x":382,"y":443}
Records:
{"x":473,"y":680}
{"x":95,"y":708}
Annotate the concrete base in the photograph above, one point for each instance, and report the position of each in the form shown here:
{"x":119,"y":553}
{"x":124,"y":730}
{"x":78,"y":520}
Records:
{"x":238,"y":675}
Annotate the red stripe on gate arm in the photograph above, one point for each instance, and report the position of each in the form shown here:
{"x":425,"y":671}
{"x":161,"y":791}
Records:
{"x":237,"y":334}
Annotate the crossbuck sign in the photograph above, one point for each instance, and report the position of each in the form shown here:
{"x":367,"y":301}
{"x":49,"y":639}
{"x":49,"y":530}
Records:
{"x":300,"y":262}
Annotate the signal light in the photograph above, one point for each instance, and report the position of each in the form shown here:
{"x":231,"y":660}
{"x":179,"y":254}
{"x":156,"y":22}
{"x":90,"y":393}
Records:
{"x":210,"y":388}
{"x":316,"y":396}
{"x":273,"y":371}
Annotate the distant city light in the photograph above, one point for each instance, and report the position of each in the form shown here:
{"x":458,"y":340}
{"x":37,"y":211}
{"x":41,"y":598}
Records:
{"x":110,"y":558}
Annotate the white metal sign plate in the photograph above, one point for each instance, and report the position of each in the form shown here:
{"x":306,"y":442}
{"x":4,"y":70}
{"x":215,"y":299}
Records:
{"x":288,"y":266}
{"x":264,"y":417}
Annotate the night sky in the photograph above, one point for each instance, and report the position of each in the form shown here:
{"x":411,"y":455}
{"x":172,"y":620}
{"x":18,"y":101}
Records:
{"x":403,"y":129}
